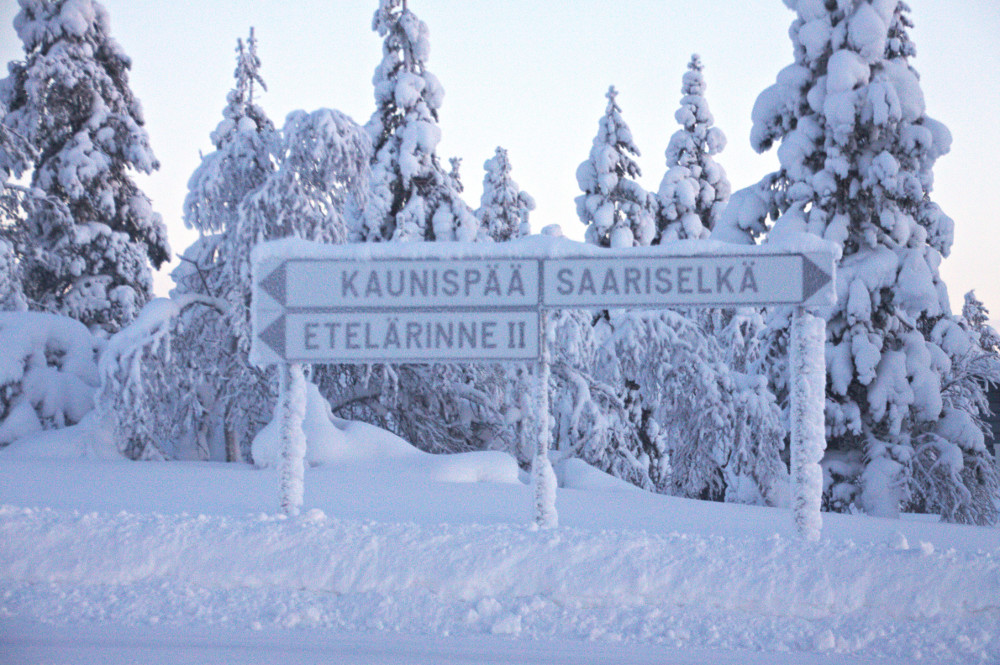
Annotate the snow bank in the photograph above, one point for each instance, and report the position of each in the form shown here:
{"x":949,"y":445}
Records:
{"x":327,"y":438}
{"x":775,"y":593}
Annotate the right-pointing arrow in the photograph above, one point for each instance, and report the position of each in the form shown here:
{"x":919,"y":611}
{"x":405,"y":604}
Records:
{"x":274,"y":336}
{"x":274,"y":284}
{"x":814,"y":278}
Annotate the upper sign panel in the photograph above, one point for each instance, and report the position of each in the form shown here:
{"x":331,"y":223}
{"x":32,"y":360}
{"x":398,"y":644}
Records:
{"x":404,"y":284}
{"x":760,"y":279}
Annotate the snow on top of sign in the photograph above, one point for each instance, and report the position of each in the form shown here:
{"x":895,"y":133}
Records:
{"x":535,"y":246}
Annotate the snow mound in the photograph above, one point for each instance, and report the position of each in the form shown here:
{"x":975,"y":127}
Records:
{"x":80,"y":441}
{"x":330,"y":440}
{"x":574,"y":473}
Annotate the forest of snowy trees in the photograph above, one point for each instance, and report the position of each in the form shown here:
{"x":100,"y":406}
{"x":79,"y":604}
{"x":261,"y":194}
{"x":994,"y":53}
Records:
{"x":689,"y":403}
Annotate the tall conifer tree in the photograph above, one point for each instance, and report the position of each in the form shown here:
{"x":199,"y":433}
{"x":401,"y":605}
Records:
{"x":617,"y":211}
{"x":504,"y":208}
{"x":412,"y":197}
{"x":232,"y":396}
{"x":694,"y":190}
{"x":70,"y":100}
{"x":857,"y":151}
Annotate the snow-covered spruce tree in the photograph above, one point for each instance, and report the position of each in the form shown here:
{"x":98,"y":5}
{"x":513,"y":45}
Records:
{"x":441,"y":408}
{"x":647,"y":359}
{"x":70,"y":100}
{"x":504,"y":208}
{"x":693,"y":195}
{"x":977,"y":319}
{"x":323,"y":166}
{"x":617,"y":211}
{"x":244,"y":142}
{"x":411,"y":196}
{"x":232,"y":397}
{"x":503,"y":215}
{"x":857,"y":152}
{"x":694,"y":191}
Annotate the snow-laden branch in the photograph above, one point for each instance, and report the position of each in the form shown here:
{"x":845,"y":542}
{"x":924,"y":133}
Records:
{"x":137,"y":374}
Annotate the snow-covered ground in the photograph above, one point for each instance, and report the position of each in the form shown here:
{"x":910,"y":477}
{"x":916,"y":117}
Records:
{"x":404,"y":557}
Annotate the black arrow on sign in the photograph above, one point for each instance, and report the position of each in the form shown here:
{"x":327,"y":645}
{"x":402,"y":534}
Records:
{"x":814,"y":278}
{"x":274,"y":336}
{"x":274,"y":284}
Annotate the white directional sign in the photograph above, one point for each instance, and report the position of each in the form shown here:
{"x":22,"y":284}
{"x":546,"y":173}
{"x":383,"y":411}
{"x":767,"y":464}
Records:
{"x":762,"y":279}
{"x":418,"y":336}
{"x":446,"y":302}
{"x":404,"y":284}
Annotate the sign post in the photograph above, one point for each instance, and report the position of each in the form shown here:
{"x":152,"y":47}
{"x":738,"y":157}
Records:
{"x":808,"y":429}
{"x":543,"y":477}
{"x":443,"y":302}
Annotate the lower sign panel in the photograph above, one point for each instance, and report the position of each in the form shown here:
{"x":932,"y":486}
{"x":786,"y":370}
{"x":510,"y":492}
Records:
{"x":411,"y":337}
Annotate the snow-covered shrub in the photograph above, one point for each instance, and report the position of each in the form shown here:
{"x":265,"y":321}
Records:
{"x":704,"y":429}
{"x":955,"y":475}
{"x":753,"y":468}
{"x":590,"y":418}
{"x":446,"y":408}
{"x":48,"y":372}
{"x":148,"y":402}
{"x":616,"y":210}
{"x":686,"y":391}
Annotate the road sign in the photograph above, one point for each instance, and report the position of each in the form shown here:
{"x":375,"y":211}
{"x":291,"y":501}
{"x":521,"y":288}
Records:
{"x":395,"y":284}
{"x":404,"y":336}
{"x":451,"y":302}
{"x":678,"y":281}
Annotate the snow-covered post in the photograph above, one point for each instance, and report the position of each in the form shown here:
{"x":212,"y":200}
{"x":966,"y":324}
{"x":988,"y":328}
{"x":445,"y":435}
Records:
{"x":808,"y":399}
{"x":291,"y":412}
{"x":542,"y":475}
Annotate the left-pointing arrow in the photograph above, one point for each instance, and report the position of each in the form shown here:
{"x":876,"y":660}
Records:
{"x":274,"y":284}
{"x":274,"y":336}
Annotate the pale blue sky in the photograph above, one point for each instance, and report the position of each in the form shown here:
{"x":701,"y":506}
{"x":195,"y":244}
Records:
{"x":531,"y":75}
